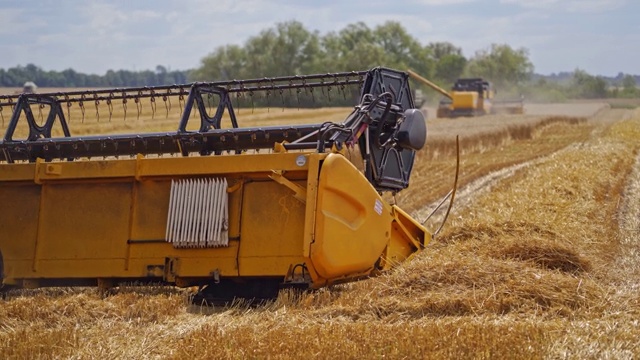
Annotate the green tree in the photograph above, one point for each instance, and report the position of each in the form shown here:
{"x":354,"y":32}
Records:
{"x":439,"y":50}
{"x":225,"y":63}
{"x":502,"y":65}
{"x":401,"y":49}
{"x":629,"y":88}
{"x":588,"y":86}
{"x":450,"y":67}
{"x":448,"y":62}
{"x":352,"y":48}
{"x":113,"y":78}
{"x":354,"y":34}
{"x":287,"y":49}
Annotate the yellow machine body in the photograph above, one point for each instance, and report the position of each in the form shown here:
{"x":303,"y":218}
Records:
{"x":472,"y":103}
{"x":299,"y":216}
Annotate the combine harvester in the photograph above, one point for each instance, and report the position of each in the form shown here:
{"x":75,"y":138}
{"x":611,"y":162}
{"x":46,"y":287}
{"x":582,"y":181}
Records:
{"x":471,"y":97}
{"x":241,"y":212}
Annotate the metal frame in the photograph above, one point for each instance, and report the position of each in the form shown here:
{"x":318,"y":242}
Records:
{"x":374,"y":124}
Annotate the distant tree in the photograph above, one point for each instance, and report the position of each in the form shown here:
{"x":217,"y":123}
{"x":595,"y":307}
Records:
{"x":588,"y":86}
{"x":361,"y":57}
{"x":284,"y":50}
{"x":113,"y":78}
{"x":401,"y":50}
{"x":73,"y":79}
{"x":629,"y":88}
{"x":439,"y":50}
{"x":354,"y":34}
{"x":450,"y":67}
{"x":17,"y":76}
{"x":352,"y":48}
{"x":502,"y":65}
{"x":225,"y":63}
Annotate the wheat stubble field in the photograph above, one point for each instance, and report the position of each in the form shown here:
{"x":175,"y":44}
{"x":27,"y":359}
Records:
{"x":539,"y":259}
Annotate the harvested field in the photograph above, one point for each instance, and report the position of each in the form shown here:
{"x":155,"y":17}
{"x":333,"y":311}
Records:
{"x":540,"y":259}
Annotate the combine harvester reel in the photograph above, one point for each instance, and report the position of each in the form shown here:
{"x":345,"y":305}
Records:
{"x":240,"y":212}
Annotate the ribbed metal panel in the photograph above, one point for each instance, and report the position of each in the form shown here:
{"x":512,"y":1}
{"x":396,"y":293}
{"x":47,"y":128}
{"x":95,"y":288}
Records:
{"x":198,"y":213}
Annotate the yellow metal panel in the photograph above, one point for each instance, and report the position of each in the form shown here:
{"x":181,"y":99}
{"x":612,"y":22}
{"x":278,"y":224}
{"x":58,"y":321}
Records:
{"x":236,"y":191}
{"x":162,"y":249}
{"x":16,"y":172}
{"x":464,"y":100}
{"x":352,"y":221}
{"x":223,"y":164}
{"x":268,"y":266}
{"x":193,"y":262}
{"x":88,"y":169}
{"x":312,"y":196}
{"x":272,"y":226}
{"x":79,"y":268}
{"x":150,"y":208}
{"x":84,"y":221}
{"x":106,"y":229}
{"x":14,"y":269}
{"x":19,"y":221}
{"x":206,"y":267}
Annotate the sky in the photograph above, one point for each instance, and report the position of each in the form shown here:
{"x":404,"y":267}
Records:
{"x":601,"y":37}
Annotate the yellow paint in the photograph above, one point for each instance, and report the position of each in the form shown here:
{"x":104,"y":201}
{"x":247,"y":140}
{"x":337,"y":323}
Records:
{"x":464,"y":100}
{"x":106,"y":220}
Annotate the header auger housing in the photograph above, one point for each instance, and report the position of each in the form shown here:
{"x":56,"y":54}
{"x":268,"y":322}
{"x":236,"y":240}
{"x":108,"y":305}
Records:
{"x":202,"y":205}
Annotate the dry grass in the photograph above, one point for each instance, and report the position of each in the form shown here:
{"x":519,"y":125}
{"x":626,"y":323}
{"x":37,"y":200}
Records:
{"x":544,"y":265}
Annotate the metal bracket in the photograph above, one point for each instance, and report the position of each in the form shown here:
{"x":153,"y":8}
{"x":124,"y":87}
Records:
{"x":300,"y":193}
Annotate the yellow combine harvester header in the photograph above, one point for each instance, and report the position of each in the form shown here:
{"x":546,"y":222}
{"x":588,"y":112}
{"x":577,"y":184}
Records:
{"x":206,"y":207}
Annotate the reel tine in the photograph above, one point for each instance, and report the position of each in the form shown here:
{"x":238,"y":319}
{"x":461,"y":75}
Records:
{"x":238,"y":96}
{"x":152,"y":101}
{"x":282,"y":98}
{"x":253,"y":108}
{"x":40,"y":107}
{"x":66,"y":97}
{"x":268,"y":95}
{"x":97,"y":102}
{"x":165,"y":98}
{"x":110,"y":105}
{"x":81,"y":106}
{"x":124,"y":105}
{"x":138,"y":105}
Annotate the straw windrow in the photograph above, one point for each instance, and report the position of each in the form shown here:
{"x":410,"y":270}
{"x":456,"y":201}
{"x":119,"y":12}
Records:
{"x":545,"y":264}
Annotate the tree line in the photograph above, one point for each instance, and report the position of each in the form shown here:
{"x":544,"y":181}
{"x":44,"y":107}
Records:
{"x":290,"y":48}
{"x":17,"y":76}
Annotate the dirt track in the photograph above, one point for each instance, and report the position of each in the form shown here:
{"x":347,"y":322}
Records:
{"x":593,"y":113}
{"x":438,"y":128}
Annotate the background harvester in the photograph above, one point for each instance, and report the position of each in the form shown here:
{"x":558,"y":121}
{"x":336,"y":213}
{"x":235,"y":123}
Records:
{"x":241,"y":212}
{"x":471,"y":97}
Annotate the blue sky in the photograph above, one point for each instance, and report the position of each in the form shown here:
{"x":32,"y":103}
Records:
{"x":599,"y":36}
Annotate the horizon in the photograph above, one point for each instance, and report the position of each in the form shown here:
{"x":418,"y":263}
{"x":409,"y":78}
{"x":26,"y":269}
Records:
{"x":560,"y":73}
